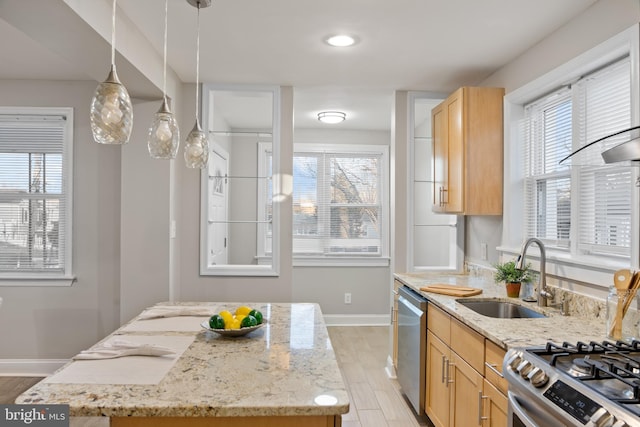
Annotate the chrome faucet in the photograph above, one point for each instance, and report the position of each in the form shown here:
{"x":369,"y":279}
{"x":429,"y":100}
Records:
{"x":544,"y":292}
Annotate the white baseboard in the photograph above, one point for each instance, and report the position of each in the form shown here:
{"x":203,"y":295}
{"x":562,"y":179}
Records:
{"x":357,"y":320}
{"x":30,"y":367}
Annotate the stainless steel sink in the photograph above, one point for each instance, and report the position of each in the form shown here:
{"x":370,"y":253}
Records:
{"x":500,"y":309}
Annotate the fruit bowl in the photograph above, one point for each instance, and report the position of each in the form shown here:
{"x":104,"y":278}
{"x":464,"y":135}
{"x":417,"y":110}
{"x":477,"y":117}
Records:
{"x":231,"y":332}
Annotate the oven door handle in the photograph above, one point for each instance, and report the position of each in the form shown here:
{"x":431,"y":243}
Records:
{"x":519,"y":411}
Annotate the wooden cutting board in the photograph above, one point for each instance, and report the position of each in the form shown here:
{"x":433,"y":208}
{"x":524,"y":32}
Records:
{"x":452,"y":290}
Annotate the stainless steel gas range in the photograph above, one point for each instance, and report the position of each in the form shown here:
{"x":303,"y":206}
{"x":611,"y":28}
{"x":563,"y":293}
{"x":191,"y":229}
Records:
{"x":584,"y":384}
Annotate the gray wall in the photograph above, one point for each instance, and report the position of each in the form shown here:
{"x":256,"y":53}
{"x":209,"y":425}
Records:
{"x":55,"y":322}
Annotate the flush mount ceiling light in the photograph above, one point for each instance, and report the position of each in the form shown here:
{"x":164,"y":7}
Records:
{"x":111,"y":112}
{"x":196,"y":148}
{"x":164,"y":135}
{"x":332,"y":117}
{"x":340,"y":40}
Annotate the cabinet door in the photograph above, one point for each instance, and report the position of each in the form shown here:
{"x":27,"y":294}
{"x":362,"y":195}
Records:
{"x":495,"y":407}
{"x":437,"y":399}
{"x":466,"y":394}
{"x":439,"y":156}
{"x":455,"y":153}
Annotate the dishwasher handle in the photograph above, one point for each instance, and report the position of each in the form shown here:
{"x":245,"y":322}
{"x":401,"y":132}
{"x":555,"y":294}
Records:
{"x":412,"y":297}
{"x":405,"y":302}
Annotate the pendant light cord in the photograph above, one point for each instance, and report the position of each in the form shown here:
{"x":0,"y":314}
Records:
{"x":113,"y":34}
{"x":164,"y":65}
{"x":198,"y":64}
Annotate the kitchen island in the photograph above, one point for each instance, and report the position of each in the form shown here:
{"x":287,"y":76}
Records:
{"x":283,"y":374}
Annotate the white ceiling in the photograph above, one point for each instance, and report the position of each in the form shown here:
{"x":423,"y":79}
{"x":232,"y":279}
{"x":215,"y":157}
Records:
{"x":430,"y":45}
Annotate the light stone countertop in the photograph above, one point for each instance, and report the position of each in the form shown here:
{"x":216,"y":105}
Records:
{"x":508,"y":333}
{"x":287,"y":367}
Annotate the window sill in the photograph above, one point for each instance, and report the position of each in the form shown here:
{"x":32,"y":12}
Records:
{"x":562,"y":266}
{"x":311,"y":261}
{"x":37,"y":281}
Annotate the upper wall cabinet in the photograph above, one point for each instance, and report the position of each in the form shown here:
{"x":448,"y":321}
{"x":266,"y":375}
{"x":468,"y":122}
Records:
{"x":467,"y":130}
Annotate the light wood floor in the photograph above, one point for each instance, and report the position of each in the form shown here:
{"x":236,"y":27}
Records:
{"x":375,"y":399}
{"x":361,"y":351}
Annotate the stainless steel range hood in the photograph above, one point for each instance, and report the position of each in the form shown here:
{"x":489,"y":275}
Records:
{"x":629,"y":150}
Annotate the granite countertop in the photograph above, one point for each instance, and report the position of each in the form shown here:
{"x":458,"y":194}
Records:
{"x":288,"y":367}
{"x":507,"y":333}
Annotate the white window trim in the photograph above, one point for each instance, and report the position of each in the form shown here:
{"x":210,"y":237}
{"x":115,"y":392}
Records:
{"x":588,"y":269}
{"x":66,"y":278}
{"x":381,"y":260}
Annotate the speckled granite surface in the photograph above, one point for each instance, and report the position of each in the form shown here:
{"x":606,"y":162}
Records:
{"x":586,"y":321}
{"x":287,"y":367}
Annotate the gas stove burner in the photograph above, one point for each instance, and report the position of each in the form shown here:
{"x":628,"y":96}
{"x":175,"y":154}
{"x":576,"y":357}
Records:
{"x":580,"y":367}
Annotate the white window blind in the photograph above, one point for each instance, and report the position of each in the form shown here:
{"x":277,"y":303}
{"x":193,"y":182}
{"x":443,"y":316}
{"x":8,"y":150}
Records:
{"x":603,"y":106}
{"x":547,"y":185}
{"x":338,"y":199}
{"x":588,"y":204}
{"x":34,"y":194}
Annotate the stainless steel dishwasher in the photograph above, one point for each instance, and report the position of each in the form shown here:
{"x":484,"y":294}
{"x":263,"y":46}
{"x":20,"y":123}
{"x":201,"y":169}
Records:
{"x":412,"y":344}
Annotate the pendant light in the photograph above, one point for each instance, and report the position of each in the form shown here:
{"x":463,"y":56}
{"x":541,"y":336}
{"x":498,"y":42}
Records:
{"x":164,"y":135}
{"x":196,"y":147}
{"x":111,"y":111}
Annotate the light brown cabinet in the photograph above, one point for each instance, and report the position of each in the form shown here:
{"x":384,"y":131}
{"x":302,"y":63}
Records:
{"x":467,"y":131}
{"x":458,"y":390}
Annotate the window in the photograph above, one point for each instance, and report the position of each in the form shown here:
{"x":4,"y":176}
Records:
{"x":584,"y":209}
{"x":339,"y":195}
{"x":35,"y":193}
{"x":339,"y":204}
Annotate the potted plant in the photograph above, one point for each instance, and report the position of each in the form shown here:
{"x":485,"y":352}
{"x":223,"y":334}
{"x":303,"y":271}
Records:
{"x":512,"y":277}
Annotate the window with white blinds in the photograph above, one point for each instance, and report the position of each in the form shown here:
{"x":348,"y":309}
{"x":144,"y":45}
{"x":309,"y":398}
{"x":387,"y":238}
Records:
{"x":585,"y":208}
{"x":35,"y":196}
{"x":339,"y":196}
{"x":338,"y":202}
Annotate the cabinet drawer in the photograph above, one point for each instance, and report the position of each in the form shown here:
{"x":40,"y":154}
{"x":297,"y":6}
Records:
{"x":438,"y":322}
{"x":469,"y":344}
{"x":493,"y":357}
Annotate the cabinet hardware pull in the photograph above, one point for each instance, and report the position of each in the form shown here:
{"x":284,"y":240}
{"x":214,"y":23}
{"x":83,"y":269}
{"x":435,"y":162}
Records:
{"x":443,"y":362}
{"x":445,"y":192}
{"x":480,"y":417}
{"x":492,"y":367}
{"x":449,"y":380}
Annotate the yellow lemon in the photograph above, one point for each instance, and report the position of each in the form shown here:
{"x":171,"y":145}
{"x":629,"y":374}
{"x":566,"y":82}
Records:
{"x":227,"y":316}
{"x":235,"y":324}
{"x":243,"y":309}
{"x":240,"y":316}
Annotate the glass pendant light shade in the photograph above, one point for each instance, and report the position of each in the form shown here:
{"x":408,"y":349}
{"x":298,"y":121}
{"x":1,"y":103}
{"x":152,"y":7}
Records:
{"x":111,"y":111}
{"x":196,"y":148}
{"x":164,"y":135}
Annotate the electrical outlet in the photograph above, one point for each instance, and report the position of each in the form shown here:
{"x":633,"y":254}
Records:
{"x":484,"y":251}
{"x":347,"y":298}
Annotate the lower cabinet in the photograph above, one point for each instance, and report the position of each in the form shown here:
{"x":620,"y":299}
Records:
{"x":458,"y":394}
{"x":437,"y":397}
{"x":494,"y":407}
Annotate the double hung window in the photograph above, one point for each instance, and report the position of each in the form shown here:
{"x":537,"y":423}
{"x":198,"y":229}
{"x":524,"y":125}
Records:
{"x":585,"y":208}
{"x":339,"y":204}
{"x":35,"y":193}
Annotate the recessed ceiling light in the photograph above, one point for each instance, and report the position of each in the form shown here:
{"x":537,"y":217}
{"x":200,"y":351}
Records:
{"x":331,"y":117}
{"x":341,"y":40}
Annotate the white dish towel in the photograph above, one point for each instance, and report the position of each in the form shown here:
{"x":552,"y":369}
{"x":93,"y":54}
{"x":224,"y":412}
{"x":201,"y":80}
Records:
{"x":121,"y":348}
{"x":174,"y":311}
